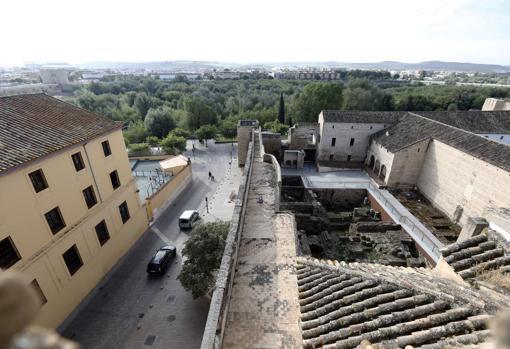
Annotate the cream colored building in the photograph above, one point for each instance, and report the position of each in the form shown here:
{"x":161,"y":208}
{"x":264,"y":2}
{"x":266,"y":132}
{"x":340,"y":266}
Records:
{"x":496,"y":104}
{"x":69,"y":206}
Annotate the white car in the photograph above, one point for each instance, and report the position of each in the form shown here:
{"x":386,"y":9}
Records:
{"x":189,"y":219}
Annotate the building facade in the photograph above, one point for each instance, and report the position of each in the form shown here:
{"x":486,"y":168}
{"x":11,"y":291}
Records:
{"x":69,"y":207}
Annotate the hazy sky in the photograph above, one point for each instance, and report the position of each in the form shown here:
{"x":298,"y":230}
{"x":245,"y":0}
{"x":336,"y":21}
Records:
{"x":78,"y":31}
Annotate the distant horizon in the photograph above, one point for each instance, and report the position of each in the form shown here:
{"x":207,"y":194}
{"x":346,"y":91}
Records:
{"x":354,"y":31}
{"x":269,"y":62}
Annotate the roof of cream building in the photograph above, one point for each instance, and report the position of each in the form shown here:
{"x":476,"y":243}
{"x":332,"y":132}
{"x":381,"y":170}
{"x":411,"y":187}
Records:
{"x":35,"y":125}
{"x":345,"y":304}
{"x":412,"y":128}
{"x":362,"y":117}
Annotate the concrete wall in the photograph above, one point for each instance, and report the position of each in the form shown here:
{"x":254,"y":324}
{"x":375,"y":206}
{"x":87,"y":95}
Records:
{"x":451,"y":178}
{"x":407,"y":165}
{"x":169,"y":191}
{"x":343,"y":132}
{"x":22,"y":219}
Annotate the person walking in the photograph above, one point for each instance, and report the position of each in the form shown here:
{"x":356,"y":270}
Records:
{"x":210,"y":175}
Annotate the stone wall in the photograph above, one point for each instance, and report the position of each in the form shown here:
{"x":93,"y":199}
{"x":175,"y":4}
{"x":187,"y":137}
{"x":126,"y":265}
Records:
{"x":378,"y":157}
{"x":343,"y":133}
{"x":452,"y":179}
{"x":218,"y":309}
{"x":301,"y":136}
{"x":272,"y":144}
{"x":407,"y":164}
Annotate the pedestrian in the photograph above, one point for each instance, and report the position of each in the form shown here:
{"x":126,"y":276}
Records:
{"x":210,"y":174}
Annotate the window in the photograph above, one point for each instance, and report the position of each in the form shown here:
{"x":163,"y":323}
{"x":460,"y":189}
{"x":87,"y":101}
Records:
{"x":348,"y":157}
{"x":35,"y":285}
{"x":102,"y":232}
{"x":114,"y":177}
{"x":90,"y":197}
{"x":38,"y":180}
{"x":333,"y":142}
{"x":8,"y":253}
{"x":331,"y":157}
{"x":124,"y":212}
{"x":72,"y":259}
{"x":418,"y":150}
{"x":352,"y":142}
{"x":78,"y":161}
{"x":55,"y":220}
{"x":106,"y":148}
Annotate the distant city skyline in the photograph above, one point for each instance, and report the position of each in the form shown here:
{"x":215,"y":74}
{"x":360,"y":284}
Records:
{"x":256,"y":32}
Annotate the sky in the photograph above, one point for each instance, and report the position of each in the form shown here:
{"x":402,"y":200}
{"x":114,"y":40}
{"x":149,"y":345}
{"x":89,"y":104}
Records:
{"x":249,"y":31}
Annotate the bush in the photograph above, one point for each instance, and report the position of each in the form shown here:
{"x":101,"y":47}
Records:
{"x":139,"y":147}
{"x":204,"y":251}
{"x":153,"y":141}
{"x":173,"y":144}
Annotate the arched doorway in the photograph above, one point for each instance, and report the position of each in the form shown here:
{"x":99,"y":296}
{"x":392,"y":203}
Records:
{"x":382,"y":175}
{"x":377,"y":166}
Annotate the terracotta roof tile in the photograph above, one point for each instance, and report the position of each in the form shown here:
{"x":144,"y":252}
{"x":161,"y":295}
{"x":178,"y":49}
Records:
{"x":36,"y":125}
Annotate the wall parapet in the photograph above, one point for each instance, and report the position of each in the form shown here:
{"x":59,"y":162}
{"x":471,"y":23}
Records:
{"x":218,"y":310}
{"x":270,"y":158}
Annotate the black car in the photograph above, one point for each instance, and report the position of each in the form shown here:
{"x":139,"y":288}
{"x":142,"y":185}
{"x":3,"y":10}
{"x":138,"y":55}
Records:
{"x":159,"y":263}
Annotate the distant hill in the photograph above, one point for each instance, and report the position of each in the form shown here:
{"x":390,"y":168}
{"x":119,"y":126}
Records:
{"x":386,"y":65}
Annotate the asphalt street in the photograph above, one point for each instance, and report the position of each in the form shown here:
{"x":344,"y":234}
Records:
{"x":130,"y":310}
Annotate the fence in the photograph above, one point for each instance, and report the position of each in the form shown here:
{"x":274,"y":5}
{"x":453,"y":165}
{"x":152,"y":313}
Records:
{"x":155,"y":180}
{"x":218,"y":310}
{"x":421,"y":235}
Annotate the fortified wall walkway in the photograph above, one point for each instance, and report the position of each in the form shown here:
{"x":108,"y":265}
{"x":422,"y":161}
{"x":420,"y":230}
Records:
{"x":264,"y":308}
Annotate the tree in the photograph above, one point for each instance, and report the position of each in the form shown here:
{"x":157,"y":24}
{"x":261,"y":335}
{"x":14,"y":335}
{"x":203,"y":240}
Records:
{"x":153,"y":141}
{"x":277,"y":127}
{"x":362,"y":94}
{"x":198,"y":113}
{"x":281,"y":111}
{"x":314,"y":98}
{"x":206,"y":132}
{"x":159,"y":121}
{"x":203,"y":252}
{"x":228,"y":128}
{"x":173,"y":144}
{"x":142,"y":104}
{"x":136,"y":133}
{"x":180,"y":132}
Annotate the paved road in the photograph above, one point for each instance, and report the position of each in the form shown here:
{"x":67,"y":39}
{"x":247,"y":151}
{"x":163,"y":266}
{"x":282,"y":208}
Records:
{"x":130,"y":310}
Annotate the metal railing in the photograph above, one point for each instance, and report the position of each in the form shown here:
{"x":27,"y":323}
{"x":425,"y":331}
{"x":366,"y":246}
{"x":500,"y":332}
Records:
{"x":422,"y":236}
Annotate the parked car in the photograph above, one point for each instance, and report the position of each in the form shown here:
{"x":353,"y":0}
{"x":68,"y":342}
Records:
{"x":189,"y":219}
{"x":159,"y":263}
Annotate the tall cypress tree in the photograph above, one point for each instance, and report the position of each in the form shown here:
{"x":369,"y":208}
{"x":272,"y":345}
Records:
{"x":281,"y":112}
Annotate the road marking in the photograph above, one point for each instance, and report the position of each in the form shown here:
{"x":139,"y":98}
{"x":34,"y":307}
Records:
{"x":161,"y":235}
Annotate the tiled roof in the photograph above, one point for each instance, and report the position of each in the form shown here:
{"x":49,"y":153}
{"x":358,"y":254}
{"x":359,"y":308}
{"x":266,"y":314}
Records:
{"x":412,"y":128}
{"x":475,"y":121}
{"x":476,"y":255}
{"x":368,"y":117}
{"x":36,"y":125}
{"x":344,"y":304}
